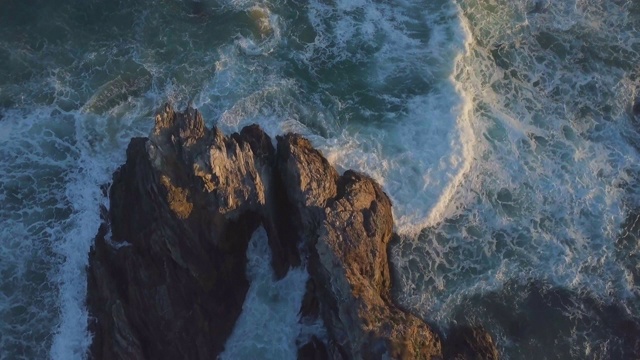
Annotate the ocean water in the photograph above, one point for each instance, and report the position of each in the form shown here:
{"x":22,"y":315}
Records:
{"x":502,"y":130}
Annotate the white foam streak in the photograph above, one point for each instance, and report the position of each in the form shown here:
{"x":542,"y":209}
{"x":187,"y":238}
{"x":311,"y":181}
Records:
{"x":415,"y":149}
{"x":417,"y":154}
{"x":83,"y":191}
{"x":33,"y":163}
{"x":100,"y":147}
{"x":544,"y":191}
{"x":446,"y":206}
{"x":268,"y":326}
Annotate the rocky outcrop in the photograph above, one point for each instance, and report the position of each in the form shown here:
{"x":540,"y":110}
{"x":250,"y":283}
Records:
{"x":167,"y":271}
{"x":348,"y":224}
{"x":166,"y":276}
{"x":469,"y":343}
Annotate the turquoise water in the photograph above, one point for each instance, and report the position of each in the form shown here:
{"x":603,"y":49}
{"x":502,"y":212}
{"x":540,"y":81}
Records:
{"x":502,"y":131}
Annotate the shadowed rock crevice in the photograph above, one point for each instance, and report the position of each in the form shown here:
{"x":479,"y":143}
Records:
{"x":167,"y":274}
{"x":467,"y":343}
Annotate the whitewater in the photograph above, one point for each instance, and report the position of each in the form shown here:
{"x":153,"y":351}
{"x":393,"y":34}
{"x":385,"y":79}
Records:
{"x":503,"y":131}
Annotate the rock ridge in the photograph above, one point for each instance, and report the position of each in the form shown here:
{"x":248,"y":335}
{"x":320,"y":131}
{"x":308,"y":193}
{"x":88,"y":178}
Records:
{"x":166,"y":276}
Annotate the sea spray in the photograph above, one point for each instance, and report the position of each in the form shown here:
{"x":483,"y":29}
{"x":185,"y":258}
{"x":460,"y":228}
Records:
{"x":546,"y":194}
{"x":269,"y":326}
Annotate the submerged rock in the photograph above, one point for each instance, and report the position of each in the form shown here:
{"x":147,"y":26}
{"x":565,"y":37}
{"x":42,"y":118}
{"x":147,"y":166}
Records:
{"x":167,"y":271}
{"x":469,"y":343}
{"x":198,"y":8}
{"x":531,"y":314}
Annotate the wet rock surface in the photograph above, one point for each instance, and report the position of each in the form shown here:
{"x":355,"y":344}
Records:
{"x":469,"y":343}
{"x":167,"y":273}
{"x":167,"y":279}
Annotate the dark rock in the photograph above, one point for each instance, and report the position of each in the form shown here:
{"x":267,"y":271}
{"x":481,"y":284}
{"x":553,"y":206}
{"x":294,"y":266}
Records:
{"x":352,"y":268}
{"x":315,"y":349}
{"x":167,"y":271}
{"x":537,"y":317}
{"x":469,"y":343}
{"x":308,"y":180}
{"x":170,"y":281}
{"x":282,"y":237}
{"x":198,"y":8}
{"x":310,"y":307}
{"x":349,"y":224}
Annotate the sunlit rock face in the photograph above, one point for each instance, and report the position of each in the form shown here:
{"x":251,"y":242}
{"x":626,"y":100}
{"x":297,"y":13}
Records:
{"x":167,"y":274}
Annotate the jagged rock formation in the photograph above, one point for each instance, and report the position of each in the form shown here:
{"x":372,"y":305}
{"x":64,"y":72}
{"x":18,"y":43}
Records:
{"x":167,"y":272}
{"x":349,"y":225}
